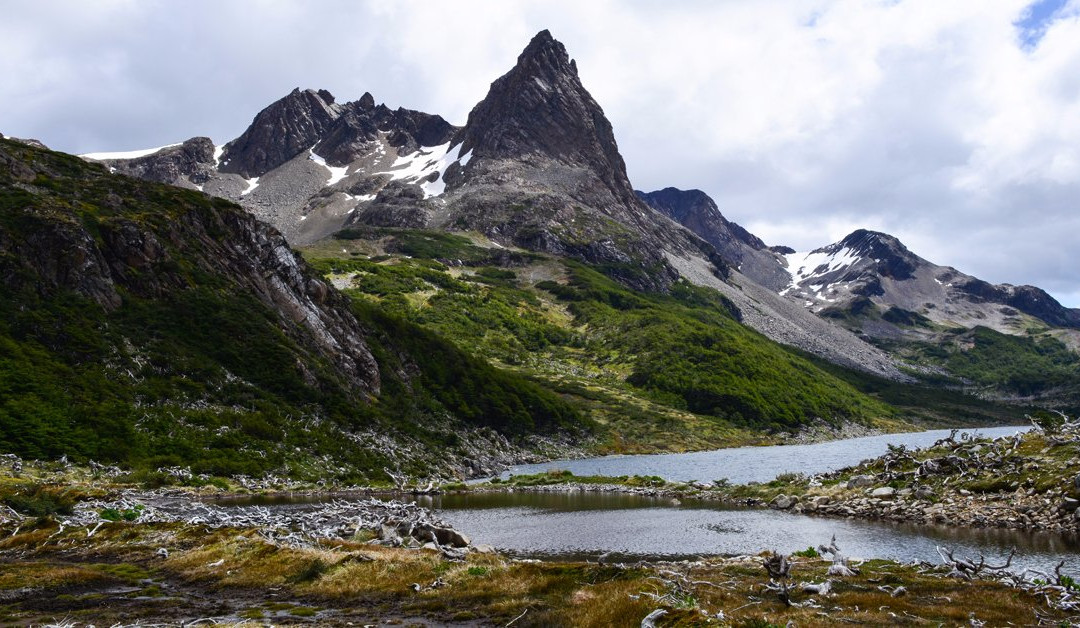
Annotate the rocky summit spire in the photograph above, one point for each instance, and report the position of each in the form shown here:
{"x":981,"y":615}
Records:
{"x":541,"y":107}
{"x":280,"y":132}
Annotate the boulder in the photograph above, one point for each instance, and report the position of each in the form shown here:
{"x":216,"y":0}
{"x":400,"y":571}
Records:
{"x":442,"y":536}
{"x":885,"y":492}
{"x":1069,"y":504}
{"x":860,"y":481}
{"x":783,"y":502}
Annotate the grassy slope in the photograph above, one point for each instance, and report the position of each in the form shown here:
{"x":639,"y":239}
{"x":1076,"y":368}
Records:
{"x":204,"y":374}
{"x":1036,"y":367}
{"x":661,"y":372}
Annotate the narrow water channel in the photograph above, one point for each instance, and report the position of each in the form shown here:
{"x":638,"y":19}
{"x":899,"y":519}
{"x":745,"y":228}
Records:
{"x":740,"y":465}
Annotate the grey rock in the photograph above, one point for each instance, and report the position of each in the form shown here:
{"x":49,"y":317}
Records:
{"x":696,"y":211}
{"x":885,"y":492}
{"x":1069,"y":504}
{"x":280,"y":132}
{"x":783,"y":502}
{"x":193,"y":160}
{"x":861,"y":481}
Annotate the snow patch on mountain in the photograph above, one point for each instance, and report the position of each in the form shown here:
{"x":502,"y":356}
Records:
{"x":817,"y":263}
{"x":252,"y":183}
{"x":428,"y":161}
{"x":336,"y":174}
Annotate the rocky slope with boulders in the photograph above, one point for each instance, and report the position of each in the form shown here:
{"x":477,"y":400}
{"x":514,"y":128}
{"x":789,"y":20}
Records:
{"x":1030,"y":481}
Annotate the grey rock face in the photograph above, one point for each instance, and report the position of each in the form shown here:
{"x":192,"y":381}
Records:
{"x":280,"y":132}
{"x":351,"y":136}
{"x":541,"y":107}
{"x":545,"y":173}
{"x":696,"y":211}
{"x":194,"y":160}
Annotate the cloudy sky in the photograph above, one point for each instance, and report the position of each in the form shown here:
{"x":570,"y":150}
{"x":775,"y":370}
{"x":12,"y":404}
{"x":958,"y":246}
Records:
{"x":953,"y":125}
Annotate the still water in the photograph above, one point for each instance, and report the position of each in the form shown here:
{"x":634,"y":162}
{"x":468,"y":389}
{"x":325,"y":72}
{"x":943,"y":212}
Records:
{"x":752,"y":464}
{"x":581,"y":524}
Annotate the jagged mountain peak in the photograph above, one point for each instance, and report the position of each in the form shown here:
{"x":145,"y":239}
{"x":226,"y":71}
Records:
{"x":541,"y":107}
{"x":281,"y":131}
{"x":694,"y":205}
{"x":872,"y":244}
{"x":696,"y":210}
{"x":545,"y":55}
{"x":861,"y":255}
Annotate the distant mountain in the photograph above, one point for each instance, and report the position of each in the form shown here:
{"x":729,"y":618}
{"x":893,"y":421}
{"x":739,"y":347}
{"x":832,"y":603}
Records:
{"x":696,"y":211}
{"x":872,"y":282}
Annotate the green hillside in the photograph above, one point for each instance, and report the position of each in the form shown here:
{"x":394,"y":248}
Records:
{"x":660,"y":371}
{"x":189,"y":366}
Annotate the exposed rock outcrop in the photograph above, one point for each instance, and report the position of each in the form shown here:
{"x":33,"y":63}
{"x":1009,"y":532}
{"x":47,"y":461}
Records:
{"x":696,"y":211}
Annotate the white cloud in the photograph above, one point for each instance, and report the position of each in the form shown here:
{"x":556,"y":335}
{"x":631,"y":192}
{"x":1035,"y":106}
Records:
{"x":803,"y":118}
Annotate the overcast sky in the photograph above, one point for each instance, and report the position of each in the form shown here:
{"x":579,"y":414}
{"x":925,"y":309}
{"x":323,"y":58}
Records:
{"x":954,"y":125}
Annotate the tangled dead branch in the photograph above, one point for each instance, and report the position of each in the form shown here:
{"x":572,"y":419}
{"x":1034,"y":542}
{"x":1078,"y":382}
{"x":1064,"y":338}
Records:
{"x":968,"y":569}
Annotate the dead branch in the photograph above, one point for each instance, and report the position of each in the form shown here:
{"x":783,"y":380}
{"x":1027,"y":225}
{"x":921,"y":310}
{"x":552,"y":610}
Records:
{"x":839,"y":565}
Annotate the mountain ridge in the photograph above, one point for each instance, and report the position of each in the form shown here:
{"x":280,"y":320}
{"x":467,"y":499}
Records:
{"x":878,"y":267}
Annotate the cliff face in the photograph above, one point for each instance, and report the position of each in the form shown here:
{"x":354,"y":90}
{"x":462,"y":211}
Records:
{"x":107,"y":247}
{"x":540,"y":169}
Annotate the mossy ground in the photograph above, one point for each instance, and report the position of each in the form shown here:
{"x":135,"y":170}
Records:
{"x":234,"y":575}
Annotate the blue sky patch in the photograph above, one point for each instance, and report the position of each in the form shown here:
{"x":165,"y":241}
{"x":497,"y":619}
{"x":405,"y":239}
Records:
{"x":1035,"y":19}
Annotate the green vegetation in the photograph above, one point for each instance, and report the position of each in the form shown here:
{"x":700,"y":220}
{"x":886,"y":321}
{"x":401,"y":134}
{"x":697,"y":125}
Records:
{"x":37,"y":500}
{"x":675,"y":368}
{"x":562,"y":476}
{"x":191,"y":368}
{"x":1035,"y":366}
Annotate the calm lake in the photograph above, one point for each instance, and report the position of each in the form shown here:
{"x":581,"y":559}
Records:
{"x":583,"y":525}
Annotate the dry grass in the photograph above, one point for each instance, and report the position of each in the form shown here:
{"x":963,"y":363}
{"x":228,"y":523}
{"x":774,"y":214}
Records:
{"x":495,"y":589}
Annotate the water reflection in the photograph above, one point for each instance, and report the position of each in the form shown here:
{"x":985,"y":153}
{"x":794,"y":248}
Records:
{"x":585,"y":525}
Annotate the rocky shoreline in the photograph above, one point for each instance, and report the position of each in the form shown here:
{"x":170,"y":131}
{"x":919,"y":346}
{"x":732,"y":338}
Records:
{"x":1025,"y":482}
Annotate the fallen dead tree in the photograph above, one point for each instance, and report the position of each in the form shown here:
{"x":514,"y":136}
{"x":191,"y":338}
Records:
{"x":387,"y":522}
